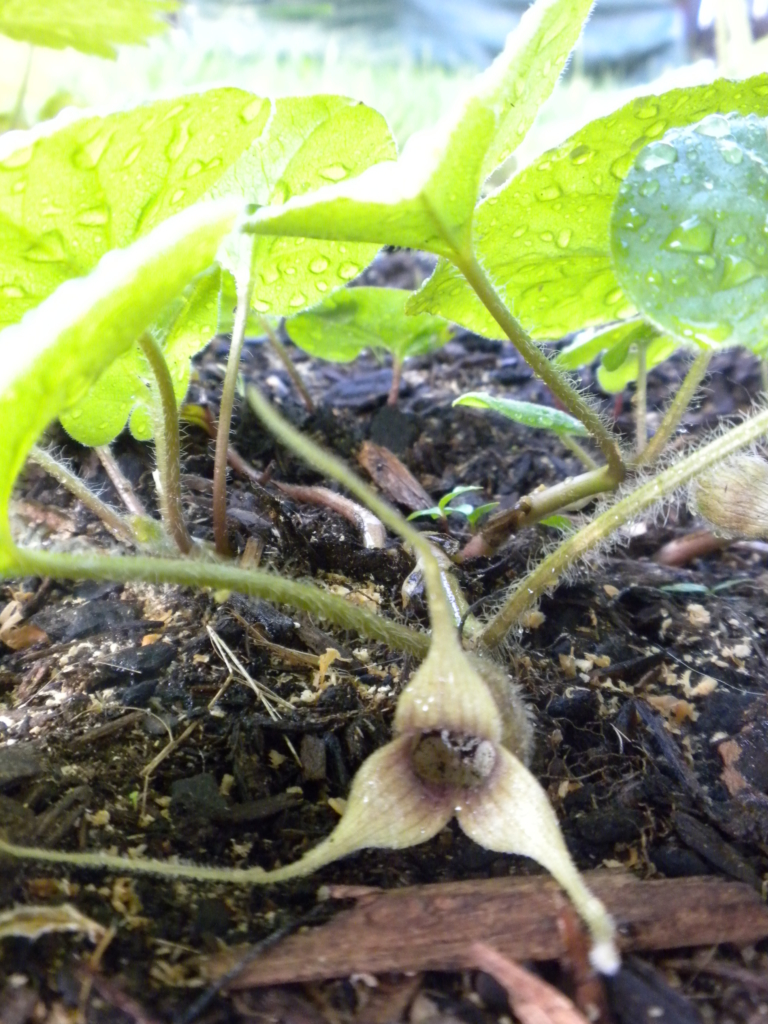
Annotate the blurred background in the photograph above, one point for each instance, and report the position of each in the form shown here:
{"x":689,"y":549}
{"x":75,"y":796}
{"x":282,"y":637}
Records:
{"x":408,"y":58}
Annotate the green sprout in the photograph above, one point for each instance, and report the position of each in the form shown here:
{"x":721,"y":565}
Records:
{"x":444,"y":508}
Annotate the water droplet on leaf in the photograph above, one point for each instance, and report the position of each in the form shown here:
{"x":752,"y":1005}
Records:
{"x":564,"y":238}
{"x":550,"y":192}
{"x":657,"y":154}
{"x":581,"y":154}
{"x":336,"y":172}
{"x":731,"y":152}
{"x":738,"y":270}
{"x":318,"y":265}
{"x":693,"y":235}
{"x":649,"y":187}
{"x":714,"y":127}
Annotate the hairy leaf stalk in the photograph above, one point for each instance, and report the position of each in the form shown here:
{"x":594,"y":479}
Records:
{"x":543,"y":367}
{"x":547,"y":574}
{"x":676,"y":409}
{"x":167,"y":444}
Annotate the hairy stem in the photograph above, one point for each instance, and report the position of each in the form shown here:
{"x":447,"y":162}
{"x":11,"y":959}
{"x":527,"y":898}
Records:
{"x":282,"y":353}
{"x":167,"y":444}
{"x":113,"y":521}
{"x":641,"y":402}
{"x":573,"y":445}
{"x":676,"y":409}
{"x":190,"y":572}
{"x":547,"y":574}
{"x":244,"y":289}
{"x":120,"y":482}
{"x":441,"y":614}
{"x":541,"y":365}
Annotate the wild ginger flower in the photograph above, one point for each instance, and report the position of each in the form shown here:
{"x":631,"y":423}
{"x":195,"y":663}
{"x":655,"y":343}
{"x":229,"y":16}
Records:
{"x":461,"y":737}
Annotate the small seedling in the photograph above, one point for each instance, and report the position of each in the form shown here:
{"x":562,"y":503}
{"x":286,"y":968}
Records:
{"x":472,"y":513}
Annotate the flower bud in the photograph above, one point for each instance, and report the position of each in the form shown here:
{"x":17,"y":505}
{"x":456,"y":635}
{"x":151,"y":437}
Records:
{"x":733,"y":497}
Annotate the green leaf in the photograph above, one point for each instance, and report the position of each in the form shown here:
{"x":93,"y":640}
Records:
{"x":91,"y":26}
{"x":426,"y":199}
{"x":689,"y":232}
{"x":309,"y":142}
{"x":116,"y":178}
{"x":355,"y":319}
{"x":587,"y":347}
{"x":51,"y":359}
{"x":540,"y":417}
{"x":616,"y":373}
{"x":544,"y":238}
{"x":455,"y":493}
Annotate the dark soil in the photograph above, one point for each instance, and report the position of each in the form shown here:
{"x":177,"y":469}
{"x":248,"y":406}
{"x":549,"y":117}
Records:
{"x":639,"y":676}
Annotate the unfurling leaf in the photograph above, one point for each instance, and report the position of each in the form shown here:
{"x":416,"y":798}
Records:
{"x":347,"y":323}
{"x":689,"y":232}
{"x":540,"y":417}
{"x":733,"y":497}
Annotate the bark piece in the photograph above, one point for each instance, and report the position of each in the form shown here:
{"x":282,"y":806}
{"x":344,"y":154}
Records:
{"x":423,"y":928}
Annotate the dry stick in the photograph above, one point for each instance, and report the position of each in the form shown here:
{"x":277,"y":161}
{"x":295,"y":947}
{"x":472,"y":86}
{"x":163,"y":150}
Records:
{"x":547,"y":574}
{"x":641,"y":401}
{"x":113,"y":521}
{"x":120,"y":482}
{"x":285,"y":359}
{"x":542,"y":366}
{"x":676,"y":410}
{"x":165,"y":417}
{"x":244,"y":290}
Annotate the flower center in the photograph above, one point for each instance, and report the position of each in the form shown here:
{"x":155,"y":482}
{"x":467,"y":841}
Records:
{"x":453,"y":761}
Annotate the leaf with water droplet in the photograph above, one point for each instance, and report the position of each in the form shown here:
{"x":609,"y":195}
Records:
{"x":350,"y":321}
{"x":706,"y":244}
{"x":618,"y":348}
{"x":114,"y":182}
{"x":553,"y":291}
{"x":426,"y":199}
{"x":53,"y":356}
{"x":309,"y":141}
{"x":91,"y":26}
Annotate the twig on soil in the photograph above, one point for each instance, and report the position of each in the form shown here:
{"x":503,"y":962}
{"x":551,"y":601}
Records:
{"x":682,"y":550}
{"x":120,"y":482}
{"x":370,"y":526}
{"x":533,"y":1000}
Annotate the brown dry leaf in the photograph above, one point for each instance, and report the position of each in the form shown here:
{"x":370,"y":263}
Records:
{"x":31,"y":922}
{"x":392,"y":477}
{"x":734,"y":781}
{"x":25,"y":635}
{"x":533,"y":1001}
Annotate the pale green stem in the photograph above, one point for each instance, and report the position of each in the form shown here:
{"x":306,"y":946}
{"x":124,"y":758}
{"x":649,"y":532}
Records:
{"x":191,"y":572}
{"x":18,"y":110}
{"x":120,"y":482}
{"x":113,"y":521}
{"x":548,"y":573}
{"x":584,"y":457}
{"x":541,"y":365}
{"x":441,"y":614}
{"x":397,"y":376}
{"x":244,"y":290}
{"x":676,"y":409}
{"x":641,"y":402}
{"x":285,"y":359}
{"x":167,"y":444}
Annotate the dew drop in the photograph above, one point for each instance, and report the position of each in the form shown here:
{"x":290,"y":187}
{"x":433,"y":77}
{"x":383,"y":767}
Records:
{"x":657,"y":154}
{"x":654,"y":277}
{"x":94,"y":217}
{"x":614,"y":296}
{"x":707,"y":262}
{"x":12,"y":291}
{"x":648,"y":111}
{"x":685,"y":179}
{"x":75,"y":414}
{"x":49,"y":248}
{"x":633,"y":219}
{"x":737,"y":239}
{"x":298,"y":300}
{"x":519,"y":232}
{"x":621,"y":167}
{"x":321,"y":286}
{"x":546,"y":236}
{"x":730,"y":151}
{"x":348,"y":270}
{"x":549,"y":193}
{"x":271,"y":274}
{"x":318,"y":265}
{"x":564,"y":238}
{"x":693,"y":235}
{"x":654,"y":130}
{"x":260,"y":306}
{"x":289,"y":271}
{"x":649,"y":187}
{"x":18,"y":186}
{"x":177,"y":196}
{"x":251,"y":111}
{"x":581,"y":154}
{"x":194,"y":169}
{"x":87,"y":156}
{"x":336,"y":172}
{"x":761,"y":90}
{"x":737,"y":271}
{"x":179,"y":142}
{"x":714,"y":127}
{"x":132,"y":154}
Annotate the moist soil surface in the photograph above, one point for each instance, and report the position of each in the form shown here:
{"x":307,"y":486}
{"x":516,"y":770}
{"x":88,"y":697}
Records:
{"x":648,"y":685}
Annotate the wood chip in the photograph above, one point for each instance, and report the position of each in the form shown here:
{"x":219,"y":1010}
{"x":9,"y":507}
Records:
{"x":392,"y":477}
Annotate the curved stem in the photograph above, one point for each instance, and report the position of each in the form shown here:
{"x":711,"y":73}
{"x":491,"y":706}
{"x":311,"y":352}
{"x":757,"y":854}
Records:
{"x":676,"y":410}
{"x":641,"y":401}
{"x":190,"y":572}
{"x":541,"y":365}
{"x":114,"y":522}
{"x":282,"y":354}
{"x":583,"y":456}
{"x":548,"y":573}
{"x":441,"y":614}
{"x":244,"y":289}
{"x":167,"y":444}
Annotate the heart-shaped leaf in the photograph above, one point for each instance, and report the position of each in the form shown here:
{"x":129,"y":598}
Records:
{"x":347,"y":323}
{"x":544,"y":238}
{"x":690,"y":232}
